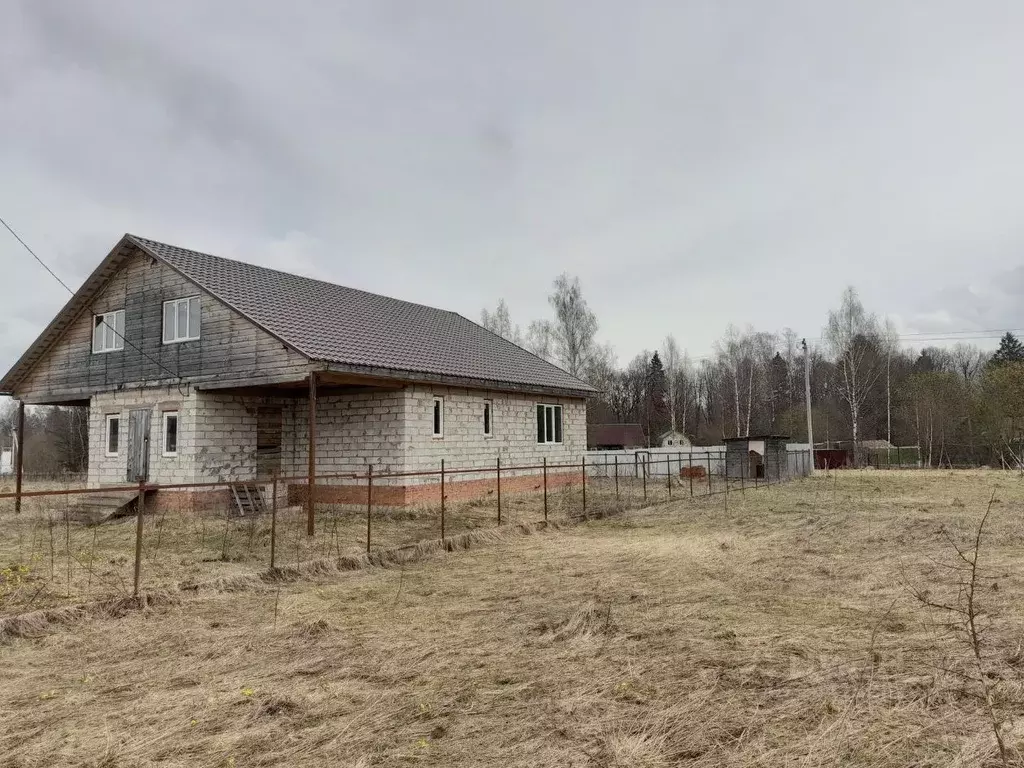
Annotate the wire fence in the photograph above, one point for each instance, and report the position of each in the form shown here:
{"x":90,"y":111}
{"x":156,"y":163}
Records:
{"x":62,"y":544}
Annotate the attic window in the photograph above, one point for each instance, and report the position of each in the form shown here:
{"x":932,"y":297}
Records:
{"x":181,"y":320}
{"x":108,"y":331}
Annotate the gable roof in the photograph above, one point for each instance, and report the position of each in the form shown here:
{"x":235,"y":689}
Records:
{"x":331,"y":323}
{"x":626,"y":435}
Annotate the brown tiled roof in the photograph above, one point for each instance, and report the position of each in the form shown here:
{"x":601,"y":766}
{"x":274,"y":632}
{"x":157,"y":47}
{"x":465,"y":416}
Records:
{"x":335,"y":324}
{"x":626,"y":435}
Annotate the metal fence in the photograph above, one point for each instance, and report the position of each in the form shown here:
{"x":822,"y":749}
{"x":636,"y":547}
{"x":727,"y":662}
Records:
{"x":184,"y":534}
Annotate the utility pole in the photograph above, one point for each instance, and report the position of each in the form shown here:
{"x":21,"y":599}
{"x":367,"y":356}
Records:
{"x":807,"y":399}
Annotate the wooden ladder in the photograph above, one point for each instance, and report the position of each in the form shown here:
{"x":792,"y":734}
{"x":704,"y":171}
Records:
{"x":248,"y":499}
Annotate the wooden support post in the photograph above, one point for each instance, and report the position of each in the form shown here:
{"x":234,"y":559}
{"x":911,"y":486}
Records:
{"x":18,"y":464}
{"x":689,"y":467}
{"x":311,"y":482}
{"x":273,"y":520}
{"x":369,"y":502}
{"x":442,"y":499}
{"x":545,"y":489}
{"x":708,"y":454}
{"x":668,"y":474}
{"x":140,"y":511}
{"x":499,"y":490}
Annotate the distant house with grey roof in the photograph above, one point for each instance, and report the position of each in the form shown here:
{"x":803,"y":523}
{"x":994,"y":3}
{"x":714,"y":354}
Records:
{"x":196,"y":368}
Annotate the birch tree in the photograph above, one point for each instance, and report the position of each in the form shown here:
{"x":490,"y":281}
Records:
{"x":575,"y":325}
{"x":500,"y":322}
{"x":670,"y":358}
{"x":851,"y":335}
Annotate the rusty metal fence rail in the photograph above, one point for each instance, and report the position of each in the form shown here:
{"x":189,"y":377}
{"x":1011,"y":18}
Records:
{"x":170,"y":536}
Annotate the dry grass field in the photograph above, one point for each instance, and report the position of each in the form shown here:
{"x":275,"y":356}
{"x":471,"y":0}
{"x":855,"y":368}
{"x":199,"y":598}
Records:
{"x":789,"y":629}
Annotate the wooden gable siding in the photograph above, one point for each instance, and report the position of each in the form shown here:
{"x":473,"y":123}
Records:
{"x":229,"y":347}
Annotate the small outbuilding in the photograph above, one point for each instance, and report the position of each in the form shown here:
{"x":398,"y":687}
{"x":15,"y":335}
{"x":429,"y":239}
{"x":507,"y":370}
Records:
{"x":756,"y":457}
{"x":674,"y":439}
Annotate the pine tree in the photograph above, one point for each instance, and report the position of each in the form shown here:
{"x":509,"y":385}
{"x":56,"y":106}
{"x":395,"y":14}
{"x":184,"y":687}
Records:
{"x":1010,"y":351}
{"x":657,"y":399}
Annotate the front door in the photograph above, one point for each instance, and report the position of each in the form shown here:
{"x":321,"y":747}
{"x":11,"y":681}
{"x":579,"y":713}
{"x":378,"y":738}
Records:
{"x":138,"y":445}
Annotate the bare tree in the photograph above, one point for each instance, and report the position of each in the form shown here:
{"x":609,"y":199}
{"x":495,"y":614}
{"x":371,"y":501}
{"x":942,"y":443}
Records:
{"x":968,"y":360}
{"x":670,"y":358}
{"x":540,"y":339}
{"x":500,"y":322}
{"x":575,"y":325}
{"x":851,"y":335}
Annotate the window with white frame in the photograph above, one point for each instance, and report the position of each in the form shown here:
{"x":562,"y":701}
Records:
{"x":108,"y":331}
{"x":112,"y":433}
{"x":549,"y":423}
{"x":170,"y":433}
{"x":438,"y":417}
{"x":181,"y":320}
{"x":488,"y":415}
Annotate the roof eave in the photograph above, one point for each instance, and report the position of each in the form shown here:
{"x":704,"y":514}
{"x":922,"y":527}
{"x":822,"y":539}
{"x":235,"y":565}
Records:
{"x":424,"y":377}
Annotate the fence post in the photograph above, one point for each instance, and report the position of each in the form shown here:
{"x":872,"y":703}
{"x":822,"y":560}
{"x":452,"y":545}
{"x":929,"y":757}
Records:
{"x":369,"y":503}
{"x":899,"y":462}
{"x":743,"y":472}
{"x":645,"y":480}
{"x":727,"y":488}
{"x":545,"y":489}
{"x":499,"y":490}
{"x":583,"y":469}
{"x":442,"y":498}
{"x":636,"y":466}
{"x":19,"y":464}
{"x":140,"y":511}
{"x":668,"y":474}
{"x":616,"y":478}
{"x":708,"y":454}
{"x":273,"y":520}
{"x":689,"y":468}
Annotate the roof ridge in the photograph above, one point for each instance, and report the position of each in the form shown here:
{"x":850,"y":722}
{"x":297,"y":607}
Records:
{"x":143,"y":240}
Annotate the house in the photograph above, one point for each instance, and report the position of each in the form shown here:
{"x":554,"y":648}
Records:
{"x":756,"y":457}
{"x":615,"y":437}
{"x":197,"y":368}
{"x":674,"y":439}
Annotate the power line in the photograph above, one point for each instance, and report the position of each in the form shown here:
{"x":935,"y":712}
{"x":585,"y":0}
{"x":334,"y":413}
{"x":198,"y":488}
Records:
{"x":108,"y":325}
{"x":34,"y":256}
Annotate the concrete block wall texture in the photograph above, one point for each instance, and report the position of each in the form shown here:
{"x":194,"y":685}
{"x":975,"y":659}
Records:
{"x":513,"y":428}
{"x":112,"y":470}
{"x":392,"y":430}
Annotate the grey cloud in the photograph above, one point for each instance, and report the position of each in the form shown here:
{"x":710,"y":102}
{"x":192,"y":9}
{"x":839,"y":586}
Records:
{"x":695,"y":163}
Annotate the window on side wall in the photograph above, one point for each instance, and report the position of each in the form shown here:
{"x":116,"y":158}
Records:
{"x":170,"y":433}
{"x":108,"y":332}
{"x":112,"y":433}
{"x":181,"y":320}
{"x":488,"y":416}
{"x":438,"y":417}
{"x":549,"y":423}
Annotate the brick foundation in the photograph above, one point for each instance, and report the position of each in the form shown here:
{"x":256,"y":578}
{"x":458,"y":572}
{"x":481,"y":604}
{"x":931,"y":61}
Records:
{"x":185,"y":500}
{"x":430,"y":493}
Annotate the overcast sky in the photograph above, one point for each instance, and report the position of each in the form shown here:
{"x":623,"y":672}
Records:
{"x":694,"y":163}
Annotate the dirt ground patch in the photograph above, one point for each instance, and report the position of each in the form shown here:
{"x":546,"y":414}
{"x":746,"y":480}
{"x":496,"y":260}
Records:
{"x":780,"y":630}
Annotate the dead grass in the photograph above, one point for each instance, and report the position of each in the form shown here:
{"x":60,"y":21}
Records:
{"x":778,"y":632}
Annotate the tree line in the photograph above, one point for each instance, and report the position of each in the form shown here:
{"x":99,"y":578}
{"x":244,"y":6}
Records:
{"x":958,"y":404}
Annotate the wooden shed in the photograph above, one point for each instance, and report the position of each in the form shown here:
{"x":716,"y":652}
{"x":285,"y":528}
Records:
{"x":756,"y":457}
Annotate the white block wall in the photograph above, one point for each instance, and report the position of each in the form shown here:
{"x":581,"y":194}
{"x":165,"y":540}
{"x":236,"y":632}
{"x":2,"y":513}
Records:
{"x":351,"y":431}
{"x":514,"y":429}
{"x":393,"y":430}
{"x":113,"y":470}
